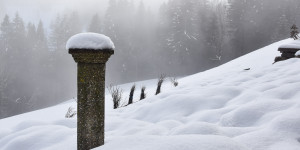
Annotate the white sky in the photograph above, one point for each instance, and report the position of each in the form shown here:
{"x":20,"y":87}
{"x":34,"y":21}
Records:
{"x":33,"y":10}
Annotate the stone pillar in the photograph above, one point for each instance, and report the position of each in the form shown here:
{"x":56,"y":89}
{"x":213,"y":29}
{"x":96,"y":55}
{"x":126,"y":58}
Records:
{"x":90,"y":96}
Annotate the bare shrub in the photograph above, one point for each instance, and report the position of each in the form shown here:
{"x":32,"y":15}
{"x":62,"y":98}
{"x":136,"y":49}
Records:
{"x":294,"y":32}
{"x":71,"y":113}
{"x":174,"y":81}
{"x":131,"y":95}
{"x":160,"y":81}
{"x":116,"y":94}
{"x":143,"y":94}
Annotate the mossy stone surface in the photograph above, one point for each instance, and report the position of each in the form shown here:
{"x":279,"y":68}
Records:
{"x":90,"y":95}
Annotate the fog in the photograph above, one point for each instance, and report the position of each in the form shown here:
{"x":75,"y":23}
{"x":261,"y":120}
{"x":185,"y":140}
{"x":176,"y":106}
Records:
{"x":176,"y":38}
{"x":34,"y":10}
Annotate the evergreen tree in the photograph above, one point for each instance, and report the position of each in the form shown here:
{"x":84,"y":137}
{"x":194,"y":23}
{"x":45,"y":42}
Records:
{"x":217,"y":31}
{"x":213,"y":38}
{"x":31,"y":37}
{"x":118,"y":26}
{"x":183,"y":32}
{"x":6,"y":34}
{"x":110,"y":19}
{"x":237,"y":17}
{"x":5,"y":104}
{"x":72,"y":25}
{"x":143,"y":49}
{"x":19,"y":45}
{"x":56,"y":34}
{"x":62,"y":29}
{"x":41,"y":37}
{"x":281,"y":29}
{"x":20,"y":86}
{"x":109,"y":24}
{"x":162,"y":52}
{"x":5,"y":39}
{"x":19,"y":32}
{"x":95,"y":25}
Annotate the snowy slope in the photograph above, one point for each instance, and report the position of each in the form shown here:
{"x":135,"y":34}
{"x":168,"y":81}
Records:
{"x":225,"y":108}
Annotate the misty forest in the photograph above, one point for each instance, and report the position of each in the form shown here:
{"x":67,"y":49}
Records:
{"x":180,"y":38}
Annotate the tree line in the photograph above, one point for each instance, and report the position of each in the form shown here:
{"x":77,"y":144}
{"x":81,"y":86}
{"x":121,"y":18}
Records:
{"x":182,"y":38}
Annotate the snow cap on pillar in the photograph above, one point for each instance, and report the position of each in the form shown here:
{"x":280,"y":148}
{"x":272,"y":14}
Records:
{"x":90,"y":41}
{"x":90,"y":47}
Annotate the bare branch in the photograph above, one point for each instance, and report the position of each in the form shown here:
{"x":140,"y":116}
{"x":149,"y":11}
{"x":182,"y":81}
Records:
{"x":116,"y":94}
{"x":71,"y":113}
{"x":174,"y":81}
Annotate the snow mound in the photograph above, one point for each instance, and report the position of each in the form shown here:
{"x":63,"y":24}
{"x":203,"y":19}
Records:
{"x":297,"y":53}
{"x":92,"y":41}
{"x":295,"y":44}
{"x":226,"y":108}
{"x":190,"y":142}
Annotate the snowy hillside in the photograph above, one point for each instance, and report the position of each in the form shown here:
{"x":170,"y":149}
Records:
{"x":226,"y":108}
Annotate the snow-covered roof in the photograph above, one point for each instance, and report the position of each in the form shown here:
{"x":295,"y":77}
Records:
{"x":292,"y":45}
{"x":92,"y":41}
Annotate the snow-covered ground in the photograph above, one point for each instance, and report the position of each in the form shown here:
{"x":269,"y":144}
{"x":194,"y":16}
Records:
{"x":225,"y":108}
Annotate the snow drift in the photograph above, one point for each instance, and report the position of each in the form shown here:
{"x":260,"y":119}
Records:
{"x":226,"y":108}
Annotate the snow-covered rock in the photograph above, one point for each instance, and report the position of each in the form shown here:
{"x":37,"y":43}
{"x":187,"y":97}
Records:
{"x":225,"y":108}
{"x":93,"y":41}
